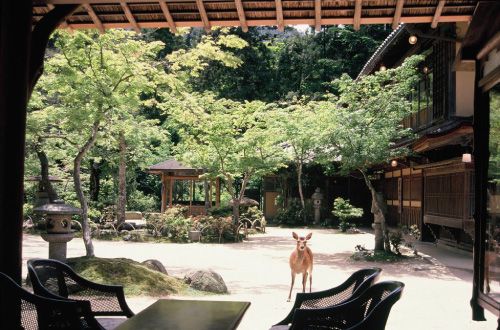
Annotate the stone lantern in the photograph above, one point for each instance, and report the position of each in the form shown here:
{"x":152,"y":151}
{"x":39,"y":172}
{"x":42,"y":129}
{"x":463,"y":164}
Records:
{"x":58,"y":222}
{"x":317,"y":198}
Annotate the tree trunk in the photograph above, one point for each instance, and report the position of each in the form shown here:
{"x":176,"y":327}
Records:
{"x":301,"y":193}
{"x":44,"y":170}
{"x":236,"y":211}
{"x":95,"y":180}
{"x":87,"y":240}
{"x":299,"y":182}
{"x":122,"y":181}
{"x":378,"y":211}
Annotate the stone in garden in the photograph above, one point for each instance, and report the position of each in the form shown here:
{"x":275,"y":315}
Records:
{"x":155,"y":265}
{"x":206,"y":280}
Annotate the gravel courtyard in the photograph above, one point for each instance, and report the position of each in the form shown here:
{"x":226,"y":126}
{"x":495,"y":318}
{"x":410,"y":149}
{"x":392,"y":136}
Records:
{"x":437,"y":293}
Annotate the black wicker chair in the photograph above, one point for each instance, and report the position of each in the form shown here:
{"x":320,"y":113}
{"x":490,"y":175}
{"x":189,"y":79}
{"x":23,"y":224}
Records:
{"x":54,"y":279}
{"x":356,"y":284}
{"x":39,"y":312}
{"x":369,"y":311}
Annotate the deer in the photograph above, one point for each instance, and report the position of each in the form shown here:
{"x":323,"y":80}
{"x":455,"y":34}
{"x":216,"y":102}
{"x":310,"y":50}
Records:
{"x":301,"y":262}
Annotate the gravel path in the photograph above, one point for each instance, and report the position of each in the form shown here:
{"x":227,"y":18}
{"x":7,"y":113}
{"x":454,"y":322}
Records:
{"x":435,"y":297}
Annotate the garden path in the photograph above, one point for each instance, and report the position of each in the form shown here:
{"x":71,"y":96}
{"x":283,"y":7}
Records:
{"x":437,"y":293}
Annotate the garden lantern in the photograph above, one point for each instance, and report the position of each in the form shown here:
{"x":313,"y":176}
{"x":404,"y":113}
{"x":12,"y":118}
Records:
{"x":317,"y":198}
{"x":58,"y":224}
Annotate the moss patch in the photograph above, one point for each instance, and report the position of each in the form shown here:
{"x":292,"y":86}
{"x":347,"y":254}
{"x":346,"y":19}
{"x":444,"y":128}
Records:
{"x":135,"y":278}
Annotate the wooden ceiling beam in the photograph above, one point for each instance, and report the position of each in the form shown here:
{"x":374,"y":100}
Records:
{"x":94,"y":17}
{"x":269,"y":22}
{"x":130,"y":16}
{"x":357,"y":14}
{"x":241,"y":15}
{"x":64,"y":24}
{"x":279,"y":15}
{"x":437,"y":14}
{"x":168,"y":16}
{"x":317,"y":15}
{"x":397,"y":14}
{"x":203,"y":14}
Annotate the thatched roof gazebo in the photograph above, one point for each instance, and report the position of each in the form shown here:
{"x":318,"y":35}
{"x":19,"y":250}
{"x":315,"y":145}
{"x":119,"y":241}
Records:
{"x":179,"y":184}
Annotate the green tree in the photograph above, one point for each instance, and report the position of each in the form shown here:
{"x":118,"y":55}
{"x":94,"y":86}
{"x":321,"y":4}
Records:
{"x":363,"y":123}
{"x":297,"y":126}
{"x":306,"y":63}
{"x":229,"y":140}
{"x":89,"y":80}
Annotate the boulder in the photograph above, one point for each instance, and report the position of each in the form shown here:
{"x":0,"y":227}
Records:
{"x":155,"y":265}
{"x":206,"y":280}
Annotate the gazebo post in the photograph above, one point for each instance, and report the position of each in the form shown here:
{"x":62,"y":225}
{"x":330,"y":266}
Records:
{"x":163,"y":193}
{"x":211,"y":184}
{"x":207,"y":194}
{"x":191,"y":196}
{"x":170,"y":193}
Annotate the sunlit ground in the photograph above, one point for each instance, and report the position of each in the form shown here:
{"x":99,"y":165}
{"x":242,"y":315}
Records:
{"x":435,"y":297}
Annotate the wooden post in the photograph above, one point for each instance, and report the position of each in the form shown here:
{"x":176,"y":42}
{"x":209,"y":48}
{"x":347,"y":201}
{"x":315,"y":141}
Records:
{"x":208,"y":203}
{"x":15,"y":37}
{"x":22,"y":52}
{"x":191,"y":195}
{"x":481,"y":158}
{"x":164,"y":188}
{"x":210,"y":192}
{"x":172,"y":180}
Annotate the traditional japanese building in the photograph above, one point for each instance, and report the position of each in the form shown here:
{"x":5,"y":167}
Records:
{"x":433,"y":187}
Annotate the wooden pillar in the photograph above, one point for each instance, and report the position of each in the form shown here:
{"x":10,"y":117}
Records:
{"x":210,"y":192}
{"x":191,"y":194}
{"x":15,"y":41}
{"x":164,"y":189}
{"x":15,"y":37}
{"x":481,"y":159}
{"x":170,"y":193}
{"x":208,"y":202}
{"x":22,"y":52}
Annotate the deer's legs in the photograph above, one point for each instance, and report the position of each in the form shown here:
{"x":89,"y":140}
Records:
{"x":291,"y":286}
{"x":310,"y":281}
{"x":304,"y":281}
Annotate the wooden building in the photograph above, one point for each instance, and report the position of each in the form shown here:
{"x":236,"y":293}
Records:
{"x":284,"y":184}
{"x":481,"y":48}
{"x":433,"y":188}
{"x":182,"y":185}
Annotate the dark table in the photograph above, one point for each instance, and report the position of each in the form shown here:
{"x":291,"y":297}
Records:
{"x":188,"y":315}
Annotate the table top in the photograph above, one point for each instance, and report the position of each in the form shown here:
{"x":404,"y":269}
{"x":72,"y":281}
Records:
{"x":188,"y":315}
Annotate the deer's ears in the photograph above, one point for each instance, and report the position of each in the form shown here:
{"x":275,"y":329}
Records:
{"x":295,"y":236}
{"x":308,"y":237}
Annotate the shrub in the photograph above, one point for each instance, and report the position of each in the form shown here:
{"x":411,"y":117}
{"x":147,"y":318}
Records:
{"x":175,"y":225}
{"x":343,"y":210}
{"x":413,"y":233}
{"x":217,"y":228}
{"x":252,"y":217}
{"x":221,"y":211}
{"x":396,"y":239}
{"x":293,"y":215}
{"x":138,"y":201}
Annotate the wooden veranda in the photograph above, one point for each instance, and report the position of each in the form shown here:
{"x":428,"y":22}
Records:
{"x":26,"y":25}
{"x":173,"y":174}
